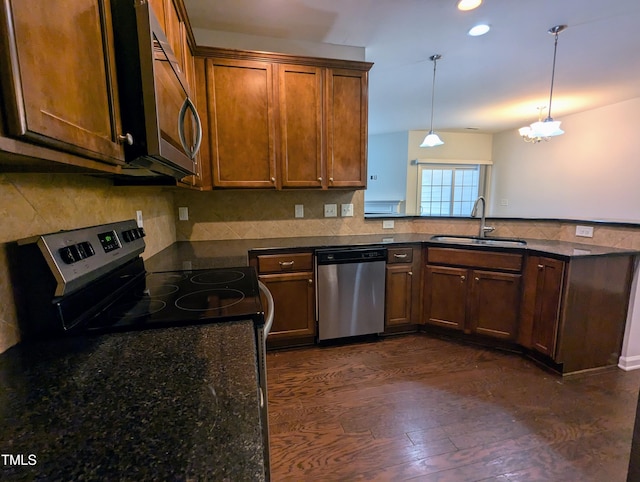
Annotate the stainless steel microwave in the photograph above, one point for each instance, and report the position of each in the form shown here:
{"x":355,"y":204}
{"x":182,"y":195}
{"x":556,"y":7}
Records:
{"x":160,"y":119}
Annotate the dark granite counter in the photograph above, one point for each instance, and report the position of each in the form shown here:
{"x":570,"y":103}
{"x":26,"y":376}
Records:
{"x":227,"y":253}
{"x":165,"y":404}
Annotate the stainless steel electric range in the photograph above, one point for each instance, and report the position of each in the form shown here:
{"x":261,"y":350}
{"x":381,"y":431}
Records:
{"x":93,"y":281}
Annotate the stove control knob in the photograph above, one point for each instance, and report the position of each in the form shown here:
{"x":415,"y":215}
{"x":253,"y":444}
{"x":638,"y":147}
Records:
{"x":88,"y":249}
{"x":126,"y":235}
{"x":67,"y":255}
{"x":141,"y":232}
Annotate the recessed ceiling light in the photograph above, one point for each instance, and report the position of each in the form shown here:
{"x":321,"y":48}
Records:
{"x":466,"y":5}
{"x":478,"y":30}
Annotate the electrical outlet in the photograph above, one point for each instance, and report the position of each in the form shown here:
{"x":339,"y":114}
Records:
{"x":330,"y":210}
{"x":183,"y":214}
{"x":299,"y":211}
{"x":388,"y":224}
{"x":139,"y":219}
{"x":346,"y":210}
{"x":584,"y":231}
{"x":504,"y":202}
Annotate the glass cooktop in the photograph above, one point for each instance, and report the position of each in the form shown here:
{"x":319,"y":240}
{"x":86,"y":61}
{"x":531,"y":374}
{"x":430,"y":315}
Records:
{"x":175,"y":298}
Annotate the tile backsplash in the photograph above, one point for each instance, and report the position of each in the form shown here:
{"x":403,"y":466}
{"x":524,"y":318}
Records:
{"x":32,"y":204}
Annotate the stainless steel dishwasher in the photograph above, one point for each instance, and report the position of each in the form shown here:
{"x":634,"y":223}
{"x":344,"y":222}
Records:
{"x":350,"y":291}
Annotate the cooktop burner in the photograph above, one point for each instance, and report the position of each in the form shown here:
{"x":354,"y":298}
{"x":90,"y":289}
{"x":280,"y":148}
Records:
{"x":185,"y":297}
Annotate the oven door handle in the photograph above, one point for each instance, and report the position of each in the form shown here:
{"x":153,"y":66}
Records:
{"x":268,"y":322}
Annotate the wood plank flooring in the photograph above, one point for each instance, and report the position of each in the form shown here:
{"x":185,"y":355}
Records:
{"x":420,"y":408}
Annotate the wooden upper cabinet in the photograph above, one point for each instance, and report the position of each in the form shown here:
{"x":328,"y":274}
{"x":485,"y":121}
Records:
{"x":58,"y":76}
{"x":241,"y":123}
{"x":283,"y":121}
{"x":300,"y":127}
{"x":346,"y":120}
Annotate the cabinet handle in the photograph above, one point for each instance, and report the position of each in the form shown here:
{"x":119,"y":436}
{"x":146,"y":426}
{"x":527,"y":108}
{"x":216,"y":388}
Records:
{"x":401,"y":256}
{"x":540,"y":266}
{"x":125,"y":139}
{"x":463,"y":277}
{"x":410,"y":273}
{"x":286,"y":264}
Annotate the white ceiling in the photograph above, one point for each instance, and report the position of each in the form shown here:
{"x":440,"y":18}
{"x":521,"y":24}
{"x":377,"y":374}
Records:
{"x":490,"y":83}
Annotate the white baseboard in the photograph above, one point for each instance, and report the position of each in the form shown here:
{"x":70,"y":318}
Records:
{"x":629,"y":363}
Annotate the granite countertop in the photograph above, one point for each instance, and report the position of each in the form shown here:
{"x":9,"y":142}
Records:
{"x":164,"y":404}
{"x":234,"y":252}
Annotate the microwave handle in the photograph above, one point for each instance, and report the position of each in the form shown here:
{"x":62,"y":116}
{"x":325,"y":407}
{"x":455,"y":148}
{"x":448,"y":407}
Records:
{"x":188,"y":104}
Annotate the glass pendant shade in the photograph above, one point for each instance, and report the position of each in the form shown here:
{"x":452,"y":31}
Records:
{"x":546,"y":128}
{"x":431,"y":140}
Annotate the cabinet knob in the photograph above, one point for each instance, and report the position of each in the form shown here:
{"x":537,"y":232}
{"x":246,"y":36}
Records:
{"x":463,"y":277}
{"x":320,"y":179}
{"x":330,"y":179}
{"x":273,"y":179}
{"x":477,"y":279}
{"x":540,"y":266}
{"x":410,"y":273}
{"x":125,"y":139}
{"x":310,"y":281}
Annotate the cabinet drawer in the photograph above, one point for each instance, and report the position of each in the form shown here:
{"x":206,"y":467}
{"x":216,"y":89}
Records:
{"x":475,"y":259}
{"x":278,"y":263}
{"x":399,"y":255}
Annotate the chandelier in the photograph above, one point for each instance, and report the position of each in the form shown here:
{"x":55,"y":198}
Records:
{"x":432,"y":139}
{"x":544,"y":129}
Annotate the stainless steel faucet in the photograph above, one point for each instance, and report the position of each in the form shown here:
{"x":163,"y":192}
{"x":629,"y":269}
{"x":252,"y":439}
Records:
{"x":484,"y":229}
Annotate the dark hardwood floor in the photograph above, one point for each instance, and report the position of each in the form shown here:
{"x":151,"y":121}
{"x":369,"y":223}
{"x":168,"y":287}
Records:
{"x":420,"y":408}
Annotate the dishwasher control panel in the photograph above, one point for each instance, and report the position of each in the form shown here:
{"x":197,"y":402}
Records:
{"x":351,"y":255}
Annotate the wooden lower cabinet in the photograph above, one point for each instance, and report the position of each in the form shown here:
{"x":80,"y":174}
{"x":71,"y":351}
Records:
{"x":495,"y":304}
{"x":473,"y":301}
{"x":294,"y":308}
{"x":574,"y":312}
{"x":541,"y":304}
{"x":402,"y":294}
{"x":290,"y":278}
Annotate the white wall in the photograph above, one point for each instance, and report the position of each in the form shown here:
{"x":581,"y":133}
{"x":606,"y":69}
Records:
{"x":590,"y":172}
{"x":461,"y":146}
{"x":387,"y":155}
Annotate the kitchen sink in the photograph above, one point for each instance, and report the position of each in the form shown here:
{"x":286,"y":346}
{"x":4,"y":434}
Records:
{"x":477,"y":240}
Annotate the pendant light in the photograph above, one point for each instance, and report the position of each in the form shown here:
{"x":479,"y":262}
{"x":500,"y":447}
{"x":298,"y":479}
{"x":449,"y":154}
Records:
{"x":544,"y":129}
{"x":432,"y":139}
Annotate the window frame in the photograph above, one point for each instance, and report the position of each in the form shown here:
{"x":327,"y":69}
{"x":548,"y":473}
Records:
{"x":484,"y":168}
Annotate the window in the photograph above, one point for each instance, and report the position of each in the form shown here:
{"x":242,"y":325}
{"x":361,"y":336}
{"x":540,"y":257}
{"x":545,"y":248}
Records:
{"x":449,"y":189}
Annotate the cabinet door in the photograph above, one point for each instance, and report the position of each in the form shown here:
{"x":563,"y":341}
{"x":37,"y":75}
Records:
{"x":445,"y":296}
{"x":294,"y":305}
{"x":241,"y":123}
{"x":300,"y":125}
{"x":547,"y":305}
{"x":398,"y":299}
{"x":59,"y":82}
{"x":495,"y":304}
{"x":346,"y":125}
